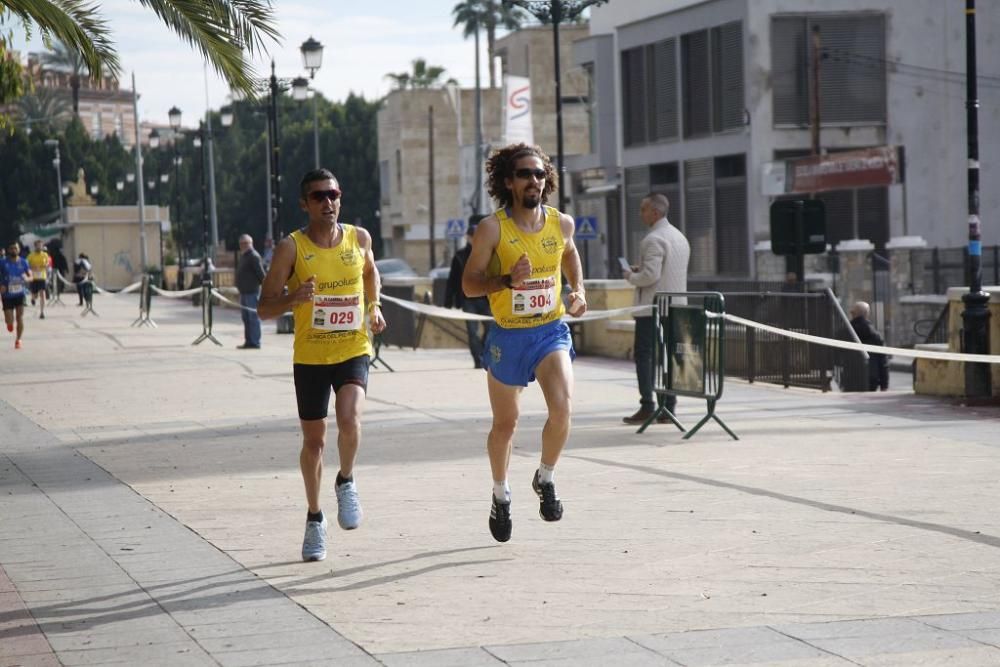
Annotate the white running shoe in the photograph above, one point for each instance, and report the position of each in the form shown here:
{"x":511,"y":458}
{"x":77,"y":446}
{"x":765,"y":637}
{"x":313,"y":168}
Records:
{"x":314,"y":543}
{"x":348,"y":506}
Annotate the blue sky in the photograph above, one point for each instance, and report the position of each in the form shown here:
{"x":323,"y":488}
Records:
{"x":363,"y":41}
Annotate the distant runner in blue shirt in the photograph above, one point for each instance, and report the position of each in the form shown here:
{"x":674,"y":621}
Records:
{"x":14,"y":277}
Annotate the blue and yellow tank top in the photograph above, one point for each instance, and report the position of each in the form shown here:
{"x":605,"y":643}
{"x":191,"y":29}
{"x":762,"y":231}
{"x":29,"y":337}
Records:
{"x":538,"y":300}
{"x":332,"y":328}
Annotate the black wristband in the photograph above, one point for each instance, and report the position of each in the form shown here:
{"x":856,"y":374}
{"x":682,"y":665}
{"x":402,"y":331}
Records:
{"x":506,"y":281}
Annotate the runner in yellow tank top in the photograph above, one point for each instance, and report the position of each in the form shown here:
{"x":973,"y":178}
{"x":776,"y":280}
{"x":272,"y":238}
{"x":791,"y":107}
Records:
{"x":516,"y":259}
{"x":326,"y":274}
{"x":536,"y":301}
{"x":38,"y":262}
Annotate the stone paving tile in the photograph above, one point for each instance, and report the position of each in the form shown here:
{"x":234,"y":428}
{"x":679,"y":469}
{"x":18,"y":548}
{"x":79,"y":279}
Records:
{"x":613,"y":648}
{"x":733,"y":646}
{"x":454,"y":657}
{"x":973,"y":621}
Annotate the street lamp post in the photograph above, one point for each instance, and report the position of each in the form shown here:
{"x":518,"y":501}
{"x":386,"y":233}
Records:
{"x":976,"y":316}
{"x":312,"y":59}
{"x":556,"y":11}
{"x":175,"y":124}
{"x":56,"y":162}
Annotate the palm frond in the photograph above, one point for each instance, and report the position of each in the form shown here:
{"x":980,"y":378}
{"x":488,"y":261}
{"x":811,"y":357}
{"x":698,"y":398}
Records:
{"x":223,"y":31}
{"x":76,"y":24}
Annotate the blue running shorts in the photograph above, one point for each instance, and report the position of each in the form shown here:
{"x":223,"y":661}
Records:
{"x":511,"y":355}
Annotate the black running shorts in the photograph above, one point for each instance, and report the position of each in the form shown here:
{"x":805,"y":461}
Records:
{"x":314,"y":382}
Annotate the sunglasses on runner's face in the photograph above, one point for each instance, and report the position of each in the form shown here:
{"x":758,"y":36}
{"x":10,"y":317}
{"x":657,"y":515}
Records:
{"x":320,"y":196}
{"x":528,"y":173}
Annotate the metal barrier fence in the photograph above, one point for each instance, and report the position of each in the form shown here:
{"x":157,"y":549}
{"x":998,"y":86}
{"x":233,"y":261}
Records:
{"x":690,"y":353}
{"x":759,"y":356}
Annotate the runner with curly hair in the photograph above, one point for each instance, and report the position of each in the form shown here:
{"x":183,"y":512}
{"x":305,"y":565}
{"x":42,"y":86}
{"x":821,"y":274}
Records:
{"x":519,"y":254}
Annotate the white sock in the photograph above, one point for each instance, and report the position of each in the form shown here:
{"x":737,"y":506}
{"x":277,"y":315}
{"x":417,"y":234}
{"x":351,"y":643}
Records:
{"x":546,"y":473}
{"x":501,"y":491}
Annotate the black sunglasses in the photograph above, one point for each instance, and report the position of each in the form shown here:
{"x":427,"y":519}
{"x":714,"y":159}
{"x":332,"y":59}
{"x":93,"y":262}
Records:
{"x":528,"y":173}
{"x":323,"y":195}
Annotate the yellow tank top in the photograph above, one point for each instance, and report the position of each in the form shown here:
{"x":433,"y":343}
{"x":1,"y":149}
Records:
{"x":539,"y":300}
{"x":38,"y":261}
{"x":332,"y":328}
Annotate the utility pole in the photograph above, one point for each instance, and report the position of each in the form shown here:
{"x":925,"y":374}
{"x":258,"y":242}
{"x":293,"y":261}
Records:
{"x":815,"y":119}
{"x":479,"y":133}
{"x":430,"y":178}
{"x":976,"y":316}
{"x":138,"y":175}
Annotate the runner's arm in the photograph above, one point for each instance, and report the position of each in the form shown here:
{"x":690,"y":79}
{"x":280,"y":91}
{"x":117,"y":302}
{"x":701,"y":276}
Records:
{"x":475,"y":282}
{"x":273,"y":300}
{"x":373,"y":282}
{"x":571,"y":266}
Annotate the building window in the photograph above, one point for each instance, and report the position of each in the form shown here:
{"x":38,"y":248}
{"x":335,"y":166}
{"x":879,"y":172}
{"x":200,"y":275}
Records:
{"x":715,"y":211}
{"x":399,"y":171}
{"x":712,"y":76}
{"x":384,"y":181}
{"x":663,"y":178}
{"x":588,"y":70}
{"x":96,"y":131}
{"x":649,"y":92}
{"x":120,"y":125}
{"x":852,"y":79}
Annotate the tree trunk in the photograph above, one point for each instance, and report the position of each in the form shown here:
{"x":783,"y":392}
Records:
{"x":74,"y":83}
{"x":491,"y":35}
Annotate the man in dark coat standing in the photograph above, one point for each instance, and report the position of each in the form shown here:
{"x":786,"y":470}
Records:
{"x":249,"y":276}
{"x":454,"y":297}
{"x":878,"y":364}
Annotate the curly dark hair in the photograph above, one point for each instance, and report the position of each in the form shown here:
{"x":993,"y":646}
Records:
{"x":500,"y":166}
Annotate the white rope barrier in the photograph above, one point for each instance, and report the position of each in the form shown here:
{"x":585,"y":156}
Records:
{"x":175,"y":294}
{"x":100,"y":290}
{"x":451,"y":314}
{"x":877,"y":349}
{"x":221,"y":297}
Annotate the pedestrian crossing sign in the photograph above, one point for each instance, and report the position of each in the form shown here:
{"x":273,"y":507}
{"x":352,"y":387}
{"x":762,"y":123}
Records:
{"x":455,"y":228}
{"x":586,"y":228}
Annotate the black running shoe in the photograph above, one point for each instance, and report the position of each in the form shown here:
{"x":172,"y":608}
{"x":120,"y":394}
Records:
{"x":500,"y":523}
{"x":550,"y":508}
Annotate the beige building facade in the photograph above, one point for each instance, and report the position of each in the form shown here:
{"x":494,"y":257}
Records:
{"x":112,"y":238}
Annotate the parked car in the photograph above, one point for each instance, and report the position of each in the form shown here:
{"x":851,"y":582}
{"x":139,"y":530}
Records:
{"x":393,"y":266}
{"x":440,"y":272}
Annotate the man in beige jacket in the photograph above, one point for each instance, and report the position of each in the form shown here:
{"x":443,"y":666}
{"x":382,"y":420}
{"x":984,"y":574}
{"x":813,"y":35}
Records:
{"x":663,"y":265}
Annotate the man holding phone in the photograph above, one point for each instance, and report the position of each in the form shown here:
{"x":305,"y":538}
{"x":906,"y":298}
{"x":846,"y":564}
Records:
{"x":664,"y":255}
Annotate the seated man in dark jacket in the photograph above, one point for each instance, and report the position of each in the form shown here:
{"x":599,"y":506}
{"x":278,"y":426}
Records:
{"x":454,"y":297}
{"x":878,"y":364}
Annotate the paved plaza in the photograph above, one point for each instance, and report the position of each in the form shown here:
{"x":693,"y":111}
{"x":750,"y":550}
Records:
{"x":151,"y":513}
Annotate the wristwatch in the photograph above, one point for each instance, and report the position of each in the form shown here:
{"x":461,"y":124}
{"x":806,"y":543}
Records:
{"x":506,"y":281}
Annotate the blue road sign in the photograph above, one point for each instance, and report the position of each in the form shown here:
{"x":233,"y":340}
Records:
{"x":455,"y":228}
{"x":586,"y":228}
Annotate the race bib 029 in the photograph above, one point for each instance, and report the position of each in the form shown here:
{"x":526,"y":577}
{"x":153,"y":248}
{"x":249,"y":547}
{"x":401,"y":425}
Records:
{"x":337,"y":313}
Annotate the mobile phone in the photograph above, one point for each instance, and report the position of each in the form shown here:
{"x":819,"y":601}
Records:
{"x":622,"y":262}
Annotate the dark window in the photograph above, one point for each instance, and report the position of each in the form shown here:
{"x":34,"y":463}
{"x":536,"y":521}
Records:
{"x":727,"y":77}
{"x":852,"y":87}
{"x":649,"y":92}
{"x":699,"y":215}
{"x":663,"y":56}
{"x":634,"y":100}
{"x":636,"y":187}
{"x":732,"y":244}
{"x":696,"y":70}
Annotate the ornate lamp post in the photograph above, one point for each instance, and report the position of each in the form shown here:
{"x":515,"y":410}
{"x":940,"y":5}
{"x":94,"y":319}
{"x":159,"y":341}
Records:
{"x":312,"y":60}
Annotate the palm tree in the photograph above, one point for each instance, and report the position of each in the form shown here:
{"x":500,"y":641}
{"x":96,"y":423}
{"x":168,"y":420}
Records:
{"x":490,"y":15}
{"x":45,"y":107}
{"x":224,"y":31}
{"x":402,"y":80}
{"x":424,"y":75}
{"x":68,"y":60}
{"x":421,"y":76}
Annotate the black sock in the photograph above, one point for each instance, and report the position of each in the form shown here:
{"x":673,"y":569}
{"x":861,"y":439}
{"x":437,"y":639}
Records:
{"x":315,"y":516}
{"x":341,"y":479}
